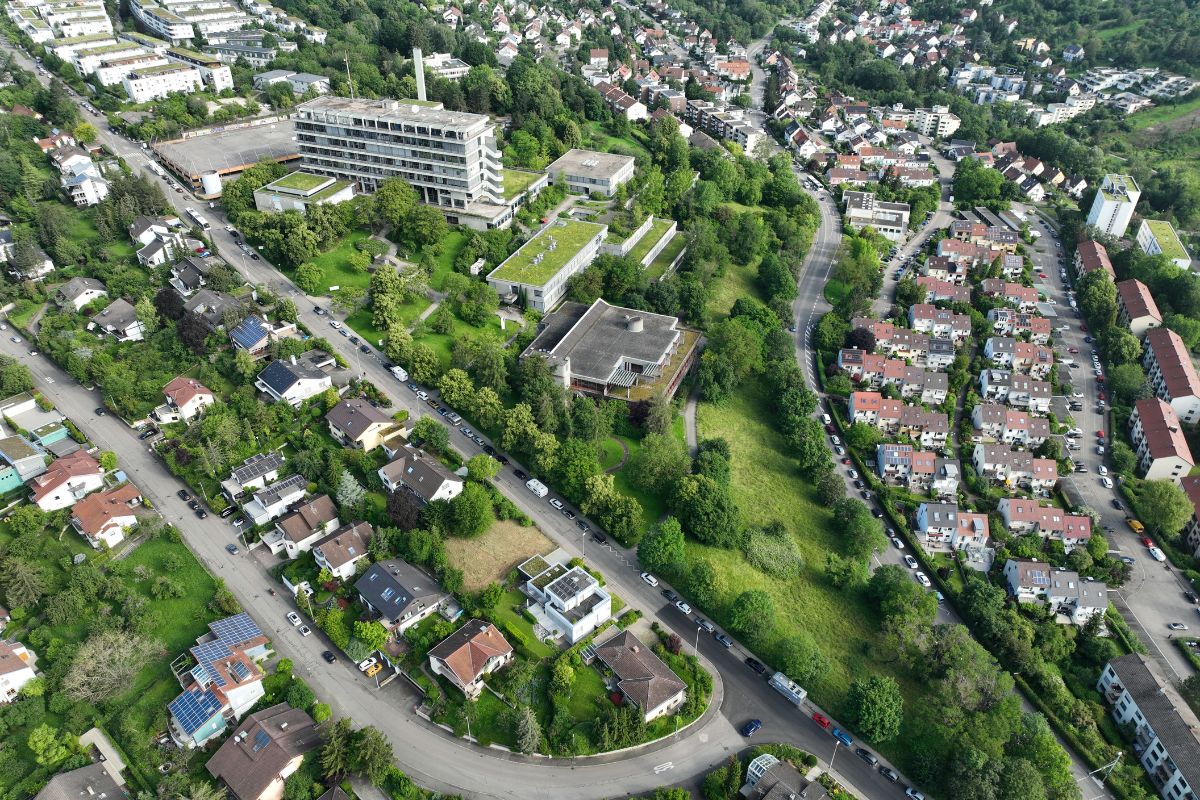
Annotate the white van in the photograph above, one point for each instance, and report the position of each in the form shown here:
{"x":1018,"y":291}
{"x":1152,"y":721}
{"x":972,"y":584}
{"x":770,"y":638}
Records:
{"x":537,"y":487}
{"x":400,"y":373}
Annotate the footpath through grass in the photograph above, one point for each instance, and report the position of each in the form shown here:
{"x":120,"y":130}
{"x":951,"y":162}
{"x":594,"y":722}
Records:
{"x":335,"y":264}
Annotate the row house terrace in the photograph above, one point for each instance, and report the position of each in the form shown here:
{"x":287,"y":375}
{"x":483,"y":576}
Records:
{"x":937,"y":290}
{"x":918,"y":470}
{"x":928,"y":428}
{"x":939,"y":323}
{"x":1024,"y":298}
{"x":1015,"y":389}
{"x":1015,"y":468}
{"x":877,"y":371}
{"x":948,"y":270}
{"x":1009,"y":425}
{"x":1010,"y":353}
{"x":943,"y":526}
{"x":1021,"y":516}
{"x":1009,"y":322}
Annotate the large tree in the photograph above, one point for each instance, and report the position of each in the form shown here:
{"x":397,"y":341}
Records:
{"x":105,"y":664}
{"x":1163,"y":506}
{"x":877,"y":707}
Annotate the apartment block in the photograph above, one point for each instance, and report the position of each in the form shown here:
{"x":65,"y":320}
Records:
{"x":1171,"y":373}
{"x":155,"y":83}
{"x":1113,"y":206}
{"x":1158,"y":237}
{"x":1091,"y":255}
{"x":936,"y":121}
{"x":1136,"y":308}
{"x":449,"y":157}
{"x":888,"y":219}
{"x":1162,"y":450}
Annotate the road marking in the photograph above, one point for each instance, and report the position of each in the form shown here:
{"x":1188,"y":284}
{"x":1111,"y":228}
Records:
{"x":663,"y":768}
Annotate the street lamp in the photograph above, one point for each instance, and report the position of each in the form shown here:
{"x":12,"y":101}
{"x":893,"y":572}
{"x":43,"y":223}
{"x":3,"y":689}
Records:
{"x":836,"y":743}
{"x":696,"y":646}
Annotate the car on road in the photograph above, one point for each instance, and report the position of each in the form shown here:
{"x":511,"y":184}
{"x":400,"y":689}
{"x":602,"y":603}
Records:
{"x":305,"y":630}
{"x":1177,"y":626}
{"x":649,"y":579}
{"x":519,"y":475}
{"x":683,"y":607}
{"x":554,"y":501}
{"x":896,"y":543}
{"x":706,"y":625}
{"x":910,"y":562}
{"x":913,"y":794}
{"x":1129,"y":560}
{"x":1106,"y":483}
{"x":1117,"y":504}
{"x":671,"y":596}
{"x":329,"y":657}
{"x":859,"y":485}
{"x":853,"y":473}
{"x":889,"y":774}
{"x":231,"y":549}
{"x":756,"y":665}
{"x":865,"y":494}
{"x":599,"y":538}
{"x":835,"y":440}
{"x":101,"y":411}
{"x":228,"y":512}
{"x":201,"y":513}
{"x":1190,"y":597}
{"x":724,"y":640}
{"x":239,"y":522}
{"x":293,"y":618}
{"x":752,"y":727}
{"x":193,"y":504}
{"x":582,"y":525}
{"x":923,"y":579}
{"x":1073,"y":350}
{"x":1157,"y":554}
{"x":821,"y":719}
{"x":183,"y":495}
{"x":842,"y":737}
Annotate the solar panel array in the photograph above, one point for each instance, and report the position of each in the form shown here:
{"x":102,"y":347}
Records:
{"x":248,"y":332}
{"x":240,"y":671}
{"x":194,"y":708}
{"x":236,"y":629}
{"x":261,"y":740}
{"x":209,"y":653}
{"x":257,"y":465}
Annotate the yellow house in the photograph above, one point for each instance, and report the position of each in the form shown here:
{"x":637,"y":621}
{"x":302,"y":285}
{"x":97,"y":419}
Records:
{"x":357,"y":423}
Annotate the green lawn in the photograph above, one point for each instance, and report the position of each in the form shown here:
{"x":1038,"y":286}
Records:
{"x":1163,"y":113}
{"x":506,"y":615}
{"x":623,"y":145}
{"x":21,"y":315}
{"x":360,"y":321}
{"x":444,"y":264}
{"x":539,"y":259}
{"x":657,"y":230}
{"x":443,"y":343}
{"x":834,"y":291}
{"x":658,"y":267}
{"x":610,"y":454}
{"x":517,"y":181}
{"x":589,"y":687}
{"x":336,"y":271}
{"x":738,"y":281}
{"x":1112,"y":33}
{"x":653,"y":506}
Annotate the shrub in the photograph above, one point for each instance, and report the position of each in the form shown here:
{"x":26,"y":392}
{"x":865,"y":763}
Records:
{"x":775,"y":556}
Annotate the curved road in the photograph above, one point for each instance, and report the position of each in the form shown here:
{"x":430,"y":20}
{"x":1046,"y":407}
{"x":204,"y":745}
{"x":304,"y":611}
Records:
{"x":431,"y":757}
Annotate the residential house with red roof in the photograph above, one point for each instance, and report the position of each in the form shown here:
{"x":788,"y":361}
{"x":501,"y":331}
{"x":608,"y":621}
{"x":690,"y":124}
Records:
{"x":469,"y":654}
{"x":1023,"y":515}
{"x":104,"y":517}
{"x":1136,"y":309}
{"x":66,"y":481}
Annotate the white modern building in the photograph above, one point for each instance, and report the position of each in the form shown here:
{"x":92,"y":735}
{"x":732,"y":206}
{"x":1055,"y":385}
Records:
{"x":1113,"y":206}
{"x":538,"y":272}
{"x":587,"y":171}
{"x":570,"y":599}
{"x":937,"y":121}
{"x":449,"y":157}
{"x":889,"y":220}
{"x":1158,"y":237}
{"x":155,"y":83}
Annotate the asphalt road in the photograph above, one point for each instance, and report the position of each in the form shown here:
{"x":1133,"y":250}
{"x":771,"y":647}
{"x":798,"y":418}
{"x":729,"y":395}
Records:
{"x":1153,"y":597}
{"x":432,"y":758}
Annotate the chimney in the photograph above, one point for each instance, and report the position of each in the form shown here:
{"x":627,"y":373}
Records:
{"x":283,"y":726}
{"x":633,"y":324}
{"x":419,"y":69}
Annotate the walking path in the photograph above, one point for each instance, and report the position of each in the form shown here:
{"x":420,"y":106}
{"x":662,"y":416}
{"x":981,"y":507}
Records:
{"x":624,"y":455}
{"x":689,"y":420}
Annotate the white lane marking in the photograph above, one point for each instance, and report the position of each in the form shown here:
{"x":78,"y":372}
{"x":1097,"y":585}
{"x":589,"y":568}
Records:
{"x":663,"y":768}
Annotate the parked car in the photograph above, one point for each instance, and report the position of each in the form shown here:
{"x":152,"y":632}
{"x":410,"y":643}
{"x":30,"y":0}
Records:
{"x":366,"y":664}
{"x":910,"y":562}
{"x":896,"y":543}
{"x":842,"y":737}
{"x":554,"y":501}
{"x":913,"y":794}
{"x":889,"y":774}
{"x":724,"y":640}
{"x":329,"y":657}
{"x":183,"y":495}
{"x":1157,"y":554}
{"x":756,"y":665}
{"x":821,"y":719}
{"x":293,"y":618}
{"x":706,"y":625}
{"x":1177,"y":626}
{"x":923,"y":579}
{"x":683,"y":607}
{"x":201,"y":513}
{"x":305,"y":630}
{"x":1106,"y":483}
{"x":649,"y":579}
{"x":1117,"y":504}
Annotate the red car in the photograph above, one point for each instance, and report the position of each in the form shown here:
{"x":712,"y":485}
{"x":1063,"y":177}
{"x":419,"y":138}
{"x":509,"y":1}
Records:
{"x":1042,"y":275}
{"x":1072,"y":349}
{"x":821,"y":719}
{"x":1147,"y":541}
{"x":1083,"y":327}
{"x":1099,"y":434}
{"x":846,"y":461}
{"x":1100,"y":396}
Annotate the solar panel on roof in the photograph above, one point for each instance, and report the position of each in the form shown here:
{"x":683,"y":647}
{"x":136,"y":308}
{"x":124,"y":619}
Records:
{"x":194,"y":708}
{"x":248,"y":332}
{"x":236,"y":629}
{"x":240,"y":671}
{"x":261,"y":740}
{"x":208,"y":653}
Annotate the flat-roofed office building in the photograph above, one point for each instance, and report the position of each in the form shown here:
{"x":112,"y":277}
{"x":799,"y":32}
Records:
{"x":449,"y":157}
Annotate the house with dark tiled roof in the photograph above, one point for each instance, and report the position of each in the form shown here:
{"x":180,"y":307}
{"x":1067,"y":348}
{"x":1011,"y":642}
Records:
{"x":1063,"y":590}
{"x":342,"y":551}
{"x":78,"y":292}
{"x":92,"y":781}
{"x":416,"y":471}
{"x":641,"y":676}
{"x":119,"y":319}
{"x":398,"y":594}
{"x":263,"y":752}
{"x":292,"y":382}
{"x":296,"y":532}
{"x":358,"y":424}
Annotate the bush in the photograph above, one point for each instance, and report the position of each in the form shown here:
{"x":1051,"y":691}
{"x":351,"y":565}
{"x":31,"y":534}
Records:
{"x":775,"y":556}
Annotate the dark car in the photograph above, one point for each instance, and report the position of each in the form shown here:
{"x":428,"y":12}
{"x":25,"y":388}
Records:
{"x":364,"y":348}
{"x":582,"y":525}
{"x":1190,"y":597}
{"x":752,"y":727}
{"x":1117,"y":504}
{"x":889,"y":774}
{"x":254,"y":256}
{"x":231,"y":549}
{"x":866,"y":755}
{"x":193,"y":504}
{"x":146,"y":434}
{"x":599,"y":538}
{"x":859,"y":485}
{"x":521,"y":476}
{"x":101,"y":411}
{"x":756,"y":665}
{"x":503,"y":459}
{"x":228,"y":512}
{"x":865,"y":494}
{"x":353,"y":340}
{"x":201,"y":513}
{"x":183,"y":495}
{"x":671,"y":596}
{"x":329,"y":656}
{"x":491,"y":451}
{"x":724,"y":640}
{"x":877,"y":512}
{"x":568,"y":513}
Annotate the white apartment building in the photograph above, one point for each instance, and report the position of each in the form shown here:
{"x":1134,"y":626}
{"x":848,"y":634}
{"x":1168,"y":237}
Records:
{"x":155,"y":83}
{"x":86,"y":60}
{"x":936,"y":121}
{"x":1164,"y":726}
{"x":162,"y":22}
{"x":1113,"y":207}
{"x":113,"y":72}
{"x":1162,"y":449}
{"x":449,"y":157}
{"x":1158,"y":237}
{"x":216,"y":76}
{"x":1171,"y":373}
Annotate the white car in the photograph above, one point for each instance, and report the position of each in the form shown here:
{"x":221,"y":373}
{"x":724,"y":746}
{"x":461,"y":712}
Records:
{"x":684,"y":607}
{"x":554,"y":501}
{"x":293,"y":618}
{"x":910,"y":562}
{"x":1106,"y":483}
{"x":923,"y":579}
{"x":1103,"y":470}
{"x":853,"y":474}
{"x":899,"y":545}
{"x":367,"y":664}
{"x":305,"y":630}
{"x":1099,"y":449}
{"x":835,"y":440}
{"x":333,"y":323}
{"x":825,"y":420}
{"x":649,"y":579}
{"x":1157,"y":554}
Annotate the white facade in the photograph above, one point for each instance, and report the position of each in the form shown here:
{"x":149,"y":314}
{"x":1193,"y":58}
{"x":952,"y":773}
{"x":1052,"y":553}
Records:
{"x":1156,"y":237}
{"x":1113,"y":206}
{"x":15,"y":670}
{"x":158,"y":82}
{"x":936,"y":121}
{"x":511,"y":279}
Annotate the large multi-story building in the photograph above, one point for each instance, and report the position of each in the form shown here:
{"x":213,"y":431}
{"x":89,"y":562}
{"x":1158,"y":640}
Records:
{"x":889,"y":220}
{"x":1158,"y":237}
{"x":1113,"y":207}
{"x":449,"y":157}
{"x":1163,"y":725}
{"x":153,"y":83}
{"x":216,"y":76}
{"x":1171,"y":373}
{"x":1162,"y":450}
{"x":936,"y":121}
{"x":538,"y":272}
